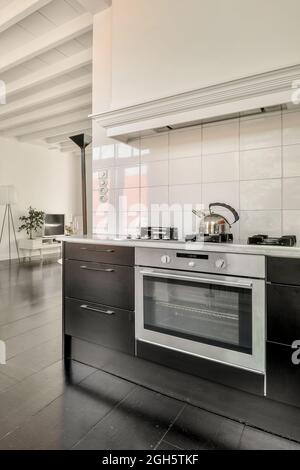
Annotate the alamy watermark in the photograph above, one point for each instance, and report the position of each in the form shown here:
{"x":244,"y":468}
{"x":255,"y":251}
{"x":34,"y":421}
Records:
{"x":296,"y":92}
{"x":2,"y":92}
{"x":2,"y":352}
{"x":296,"y":353}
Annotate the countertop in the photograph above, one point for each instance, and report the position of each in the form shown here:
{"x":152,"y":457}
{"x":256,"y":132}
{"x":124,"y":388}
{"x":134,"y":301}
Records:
{"x":241,"y":247}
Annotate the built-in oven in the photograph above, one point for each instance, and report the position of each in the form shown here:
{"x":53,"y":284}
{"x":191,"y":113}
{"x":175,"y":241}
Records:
{"x":206,"y":304}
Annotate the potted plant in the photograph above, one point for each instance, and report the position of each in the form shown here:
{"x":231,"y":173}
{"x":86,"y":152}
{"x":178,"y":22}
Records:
{"x":32,"y":222}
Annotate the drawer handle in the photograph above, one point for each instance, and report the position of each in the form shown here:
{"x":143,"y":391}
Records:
{"x":97,"y":251}
{"x":106,"y":270}
{"x":98,"y":310}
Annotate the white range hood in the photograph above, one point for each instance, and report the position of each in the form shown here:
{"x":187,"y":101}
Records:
{"x":228,"y":99}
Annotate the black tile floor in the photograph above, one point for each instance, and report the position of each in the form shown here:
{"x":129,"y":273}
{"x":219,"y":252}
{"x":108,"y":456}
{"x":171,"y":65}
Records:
{"x":43,"y":406}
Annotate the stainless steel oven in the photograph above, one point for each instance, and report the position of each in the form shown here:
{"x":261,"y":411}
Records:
{"x":207,"y":304}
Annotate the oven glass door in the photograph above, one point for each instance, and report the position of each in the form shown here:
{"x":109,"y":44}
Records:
{"x":208,"y":311}
{"x":205,"y":311}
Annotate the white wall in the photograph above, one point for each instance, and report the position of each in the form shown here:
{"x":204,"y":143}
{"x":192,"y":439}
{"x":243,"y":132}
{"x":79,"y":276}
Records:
{"x":147,"y":49}
{"x":47,"y":180}
{"x":162,"y":47}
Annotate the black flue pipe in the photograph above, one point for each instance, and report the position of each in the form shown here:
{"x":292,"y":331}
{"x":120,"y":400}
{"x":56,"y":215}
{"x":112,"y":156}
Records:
{"x":83,"y":141}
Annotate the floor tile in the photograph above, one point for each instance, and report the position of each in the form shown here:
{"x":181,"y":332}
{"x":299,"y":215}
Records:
{"x":199,"y":429}
{"x":253,"y":439}
{"x":139,"y":422}
{"x":164,"y":445}
{"x":66,"y":420}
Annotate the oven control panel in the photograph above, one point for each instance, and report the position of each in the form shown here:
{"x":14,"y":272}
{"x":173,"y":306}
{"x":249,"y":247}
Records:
{"x":236,"y":264}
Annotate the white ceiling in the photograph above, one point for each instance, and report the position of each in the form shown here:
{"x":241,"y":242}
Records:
{"x":46,"y":64}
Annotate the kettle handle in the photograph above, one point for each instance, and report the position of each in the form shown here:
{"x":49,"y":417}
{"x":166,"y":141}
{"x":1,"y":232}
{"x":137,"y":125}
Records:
{"x":231,"y":209}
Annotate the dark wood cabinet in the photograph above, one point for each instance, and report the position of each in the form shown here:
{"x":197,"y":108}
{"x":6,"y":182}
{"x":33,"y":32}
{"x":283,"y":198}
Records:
{"x":100,"y":324}
{"x":283,"y":328}
{"x":100,"y":253}
{"x":283,"y":377}
{"x":283,"y":313}
{"x":283,"y":270}
{"x":98,"y":289}
{"x":106,"y":284}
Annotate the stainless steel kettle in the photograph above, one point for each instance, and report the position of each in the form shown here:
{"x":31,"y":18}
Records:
{"x":213,"y":223}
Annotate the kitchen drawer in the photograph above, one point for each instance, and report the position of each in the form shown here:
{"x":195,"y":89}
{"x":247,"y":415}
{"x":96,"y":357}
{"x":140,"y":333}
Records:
{"x":283,"y":313}
{"x":123,"y":255}
{"x":283,"y":270}
{"x":106,"y":284}
{"x":109,"y":327}
{"x":283,"y":377}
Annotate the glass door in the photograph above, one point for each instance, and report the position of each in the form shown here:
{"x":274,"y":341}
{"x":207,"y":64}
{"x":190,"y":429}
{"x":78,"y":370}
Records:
{"x":209,"y":311}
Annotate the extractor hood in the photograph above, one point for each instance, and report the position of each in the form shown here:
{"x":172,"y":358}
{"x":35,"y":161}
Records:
{"x":254,"y":94}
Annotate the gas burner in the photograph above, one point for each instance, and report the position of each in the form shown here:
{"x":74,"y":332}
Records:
{"x":159,"y":233}
{"x":218,"y":238}
{"x":285,"y":240}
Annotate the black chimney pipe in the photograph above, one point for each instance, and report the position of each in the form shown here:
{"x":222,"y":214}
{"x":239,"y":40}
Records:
{"x":83,"y":141}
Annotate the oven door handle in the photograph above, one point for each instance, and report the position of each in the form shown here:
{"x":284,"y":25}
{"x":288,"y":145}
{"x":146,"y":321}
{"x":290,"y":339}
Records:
{"x":246,"y":285}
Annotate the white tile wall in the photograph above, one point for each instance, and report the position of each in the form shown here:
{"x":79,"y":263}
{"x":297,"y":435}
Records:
{"x":154,"y":173}
{"x":227,"y":192}
{"x":185,"y":171}
{"x":291,"y":128}
{"x":260,"y":164}
{"x":220,"y":167}
{"x":185,"y":143}
{"x":291,"y":193}
{"x":260,"y":194}
{"x":291,"y":160}
{"x":220,"y":138}
{"x":185,"y":194}
{"x":251,"y":163}
{"x":291,"y":225}
{"x":154,"y":148}
{"x":260,"y":132}
{"x":265,"y":222}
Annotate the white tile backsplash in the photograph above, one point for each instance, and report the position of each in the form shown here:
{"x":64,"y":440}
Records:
{"x":127,"y":176}
{"x":220,"y":167}
{"x":260,"y":132}
{"x":255,"y":222}
{"x":227,"y":193}
{"x":154,"y":195}
{"x":128,"y":154}
{"x":154,"y":148}
{"x":260,"y":164}
{"x":185,"y":143}
{"x":291,"y":128}
{"x":291,"y":193}
{"x":291,"y":160}
{"x":185,"y":171}
{"x":127,"y":199}
{"x":290,"y":223}
{"x":252,"y":164}
{"x":180,"y":195}
{"x":155,"y":173}
{"x":220,"y":138}
{"x":260,"y":194}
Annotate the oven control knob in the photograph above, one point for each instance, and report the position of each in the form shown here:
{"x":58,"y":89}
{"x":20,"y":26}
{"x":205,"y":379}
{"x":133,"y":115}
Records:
{"x":220,"y":263}
{"x":165,"y":259}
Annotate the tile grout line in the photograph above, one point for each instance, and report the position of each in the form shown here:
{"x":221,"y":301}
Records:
{"x":170,"y":425}
{"x":241,"y":436}
{"x":34,"y":372}
{"x":106,"y":414}
{"x":32,"y":329}
{"x":20,"y":425}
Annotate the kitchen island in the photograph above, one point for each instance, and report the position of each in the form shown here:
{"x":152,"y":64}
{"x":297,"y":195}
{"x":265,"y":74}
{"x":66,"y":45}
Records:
{"x":101,"y":295}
